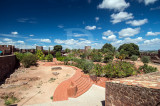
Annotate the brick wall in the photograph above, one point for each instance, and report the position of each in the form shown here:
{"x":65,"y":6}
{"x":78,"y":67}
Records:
{"x":8,"y":64}
{"x":127,"y":95}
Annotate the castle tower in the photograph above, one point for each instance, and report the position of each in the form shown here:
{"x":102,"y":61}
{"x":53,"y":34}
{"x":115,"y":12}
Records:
{"x":87,"y":48}
{"x":39,"y":48}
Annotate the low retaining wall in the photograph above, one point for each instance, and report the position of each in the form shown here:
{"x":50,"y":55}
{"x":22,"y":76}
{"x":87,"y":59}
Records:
{"x":127,"y":95}
{"x":8,"y":64}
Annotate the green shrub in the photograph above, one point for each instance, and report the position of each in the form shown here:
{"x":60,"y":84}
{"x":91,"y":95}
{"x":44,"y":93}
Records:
{"x":61,"y":58}
{"x":58,"y":54}
{"x":145,"y":59}
{"x":96,"y":57}
{"x":117,"y":55}
{"x":98,"y":70}
{"x":119,"y":69}
{"x":83,"y":55}
{"x":108,"y":58}
{"x":28,"y":60}
{"x":49,"y":58}
{"x":66,"y":60}
{"x":10,"y":100}
{"x":40,"y":55}
{"x":51,"y":97}
{"x":134,"y":58}
{"x":148,"y":69}
{"x":83,"y":64}
{"x":19,"y":56}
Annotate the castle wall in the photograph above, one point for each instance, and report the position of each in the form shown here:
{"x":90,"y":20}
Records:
{"x":8,"y":64}
{"x":127,"y":95}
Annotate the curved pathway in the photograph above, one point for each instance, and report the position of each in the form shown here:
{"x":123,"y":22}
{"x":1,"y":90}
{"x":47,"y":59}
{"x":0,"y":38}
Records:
{"x":75,"y":86}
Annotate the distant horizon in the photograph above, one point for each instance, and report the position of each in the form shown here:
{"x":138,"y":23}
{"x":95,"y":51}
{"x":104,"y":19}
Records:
{"x":77,"y":23}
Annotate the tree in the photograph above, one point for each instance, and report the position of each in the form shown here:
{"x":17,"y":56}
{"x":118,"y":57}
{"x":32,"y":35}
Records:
{"x":57,"y":48}
{"x":122,"y":54}
{"x":107,"y":47}
{"x":49,"y":50}
{"x":131,"y":49}
{"x":108,"y":58}
{"x":67,"y":50}
{"x":58,"y":54}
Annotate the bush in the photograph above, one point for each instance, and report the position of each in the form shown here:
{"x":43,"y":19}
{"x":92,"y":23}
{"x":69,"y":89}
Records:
{"x":134,"y":58}
{"x":83,"y":55}
{"x":108,"y":58}
{"x":98,"y":70}
{"x":49,"y":58}
{"x":58,"y":54}
{"x":120,"y":69}
{"x":19,"y":56}
{"x":148,"y":69}
{"x":40,"y":55}
{"x":28,"y":60}
{"x":145,"y":59}
{"x":96,"y":57}
{"x":10,"y":100}
{"x":83,"y":64}
{"x":61,"y":58}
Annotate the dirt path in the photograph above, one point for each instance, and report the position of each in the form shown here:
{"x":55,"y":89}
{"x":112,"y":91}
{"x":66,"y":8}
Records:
{"x":36,"y":84}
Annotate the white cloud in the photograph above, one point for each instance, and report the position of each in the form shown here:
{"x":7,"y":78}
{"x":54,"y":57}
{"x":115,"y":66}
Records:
{"x":31,"y":35}
{"x":21,"y":42}
{"x":121,"y":16}
{"x":110,"y":38}
{"x":23,"y":20}
{"x":107,"y":33}
{"x":14,"y":33}
{"x":147,"y":2}
{"x":79,"y":35}
{"x":90,"y":27}
{"x":72,"y":43}
{"x":99,"y":28}
{"x":60,"y":26}
{"x":117,"y":5}
{"x":137,"y":22}
{"x":152,"y":33}
{"x":128,"y":32}
{"x":156,"y":8}
{"x":82,"y":39}
{"x":152,"y":44}
{"x":152,"y":41}
{"x":117,"y":43}
{"x":45,"y":40}
{"x":7,"y":40}
{"x":27,"y":20}
{"x":67,"y":42}
{"x":97,"y":19}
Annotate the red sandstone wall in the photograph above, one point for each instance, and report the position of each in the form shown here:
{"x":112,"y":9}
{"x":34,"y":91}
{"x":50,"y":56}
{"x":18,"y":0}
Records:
{"x":7,"y":65}
{"x":126,"y":95}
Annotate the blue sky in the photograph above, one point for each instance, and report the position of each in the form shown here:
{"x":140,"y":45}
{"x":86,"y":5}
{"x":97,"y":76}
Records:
{"x":77,"y":23}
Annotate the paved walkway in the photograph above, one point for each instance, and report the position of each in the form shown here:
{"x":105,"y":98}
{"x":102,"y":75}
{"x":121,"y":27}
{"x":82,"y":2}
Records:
{"x":95,"y":96}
